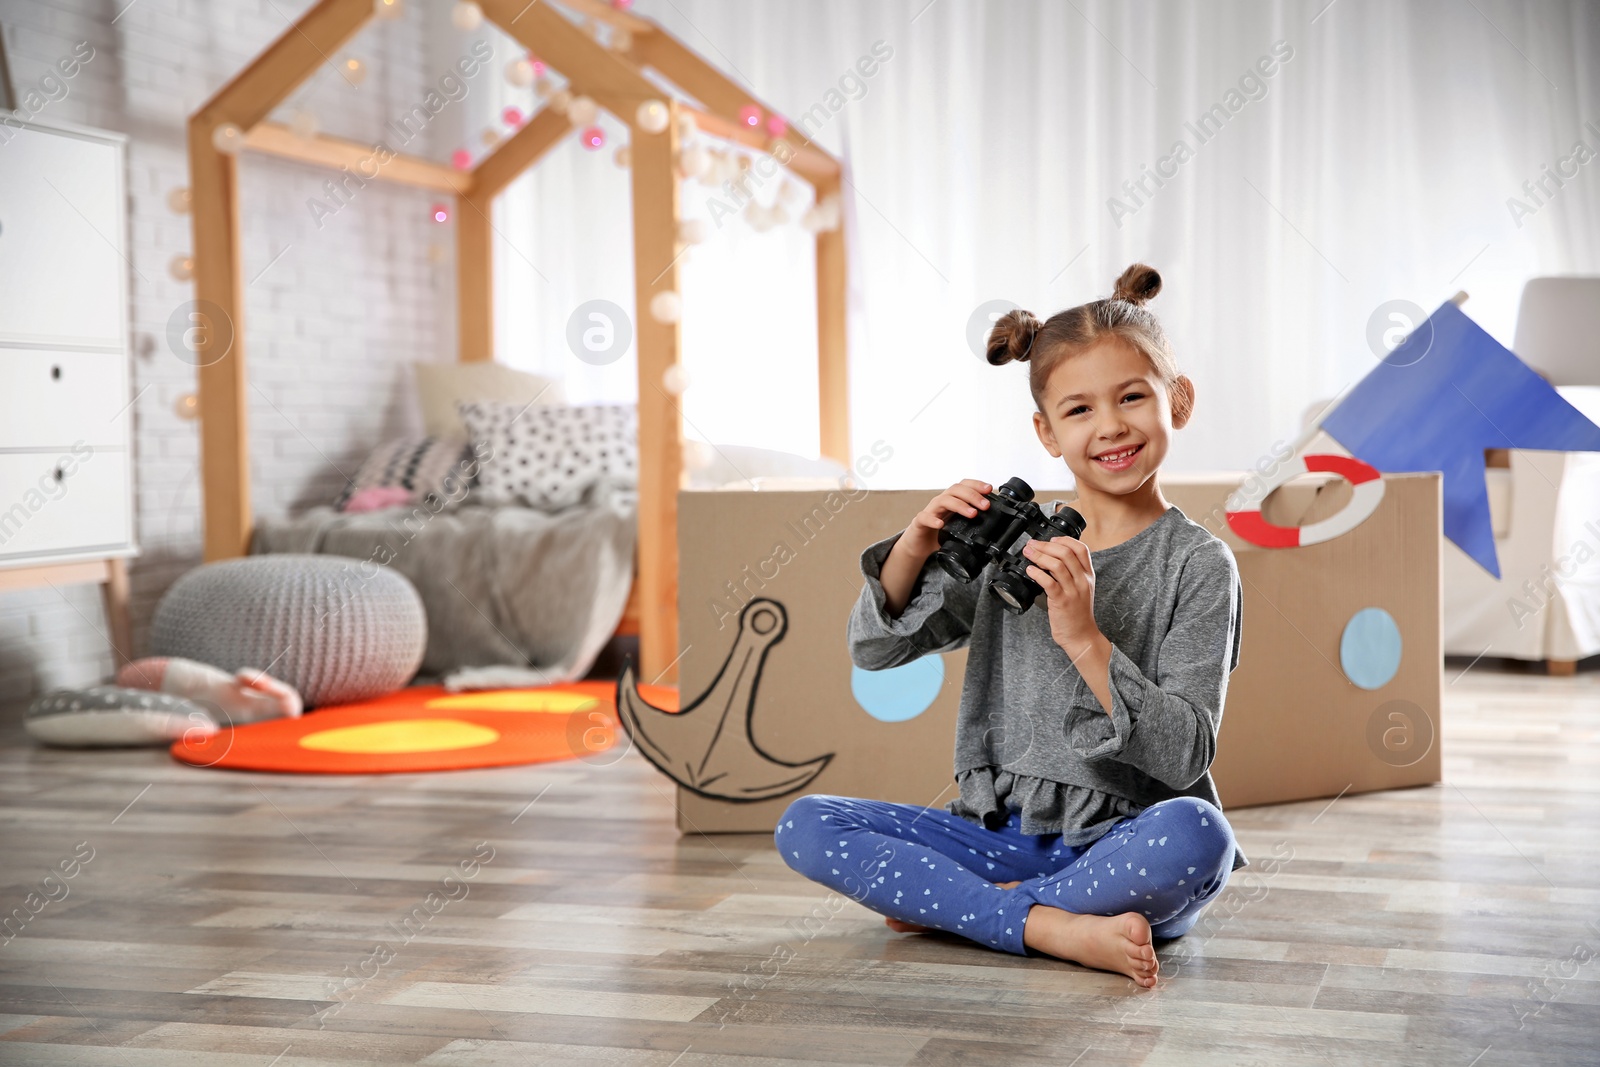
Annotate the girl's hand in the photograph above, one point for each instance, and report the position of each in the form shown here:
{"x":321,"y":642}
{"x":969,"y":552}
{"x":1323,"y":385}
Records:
{"x":967,"y":497}
{"x":1061,"y":567}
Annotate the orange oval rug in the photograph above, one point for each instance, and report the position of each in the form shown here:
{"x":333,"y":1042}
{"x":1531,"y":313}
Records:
{"x":428,"y":728}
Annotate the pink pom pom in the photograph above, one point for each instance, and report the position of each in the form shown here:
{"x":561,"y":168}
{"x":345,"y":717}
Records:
{"x":461,"y":159}
{"x":750,"y":115}
{"x":512,"y":116}
{"x":593,"y":137}
{"x":777,"y":125}
{"x":538,"y":66}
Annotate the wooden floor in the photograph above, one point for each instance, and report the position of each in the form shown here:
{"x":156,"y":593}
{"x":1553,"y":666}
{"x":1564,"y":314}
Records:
{"x":229,"y":918}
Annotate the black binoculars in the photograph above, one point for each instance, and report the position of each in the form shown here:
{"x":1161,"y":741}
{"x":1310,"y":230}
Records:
{"x":966,"y":545}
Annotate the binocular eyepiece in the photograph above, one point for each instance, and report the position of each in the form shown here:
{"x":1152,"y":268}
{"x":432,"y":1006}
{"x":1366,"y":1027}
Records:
{"x":966,"y":545}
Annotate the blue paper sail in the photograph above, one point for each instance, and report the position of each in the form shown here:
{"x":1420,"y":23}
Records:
{"x":1446,"y":393}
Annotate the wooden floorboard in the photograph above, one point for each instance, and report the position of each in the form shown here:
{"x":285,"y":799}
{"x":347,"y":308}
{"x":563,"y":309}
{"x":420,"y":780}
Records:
{"x":230,"y":918}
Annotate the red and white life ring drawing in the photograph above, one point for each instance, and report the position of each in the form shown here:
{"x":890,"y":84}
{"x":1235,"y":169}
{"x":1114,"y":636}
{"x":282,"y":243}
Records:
{"x":1244,"y":507}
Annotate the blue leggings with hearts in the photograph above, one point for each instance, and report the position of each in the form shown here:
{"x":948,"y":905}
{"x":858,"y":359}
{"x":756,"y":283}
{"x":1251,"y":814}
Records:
{"x":927,"y":866}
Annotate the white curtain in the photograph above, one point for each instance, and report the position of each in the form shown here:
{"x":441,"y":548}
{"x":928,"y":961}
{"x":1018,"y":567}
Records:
{"x":1374,"y":163}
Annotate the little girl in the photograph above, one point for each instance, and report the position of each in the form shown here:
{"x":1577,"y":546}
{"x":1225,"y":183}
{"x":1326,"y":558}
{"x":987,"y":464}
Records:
{"x":1087,"y":821}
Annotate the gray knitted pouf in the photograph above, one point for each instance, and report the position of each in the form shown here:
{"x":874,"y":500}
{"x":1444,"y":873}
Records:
{"x":337,"y":629}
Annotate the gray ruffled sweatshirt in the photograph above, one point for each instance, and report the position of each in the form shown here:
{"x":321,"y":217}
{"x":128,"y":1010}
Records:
{"x":1031,"y":736}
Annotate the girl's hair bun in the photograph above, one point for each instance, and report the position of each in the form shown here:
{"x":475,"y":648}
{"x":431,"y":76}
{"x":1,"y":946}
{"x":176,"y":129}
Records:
{"x":1137,"y":284}
{"x":1011,"y":337}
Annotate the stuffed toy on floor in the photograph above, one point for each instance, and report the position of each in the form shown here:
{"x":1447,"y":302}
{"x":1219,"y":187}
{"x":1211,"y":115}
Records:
{"x":245,"y":697}
{"x":158,"y":701}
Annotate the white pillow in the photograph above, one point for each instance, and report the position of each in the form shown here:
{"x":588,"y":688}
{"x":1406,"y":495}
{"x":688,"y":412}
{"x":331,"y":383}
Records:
{"x":108,"y":716}
{"x":440,"y":386}
{"x":548,"y":456}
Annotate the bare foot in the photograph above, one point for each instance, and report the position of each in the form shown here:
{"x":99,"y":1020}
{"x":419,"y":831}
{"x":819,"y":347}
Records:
{"x":1119,"y":943}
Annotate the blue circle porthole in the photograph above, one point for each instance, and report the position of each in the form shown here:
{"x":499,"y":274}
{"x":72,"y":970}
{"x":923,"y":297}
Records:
{"x":899,"y":693}
{"x":1369,"y":649}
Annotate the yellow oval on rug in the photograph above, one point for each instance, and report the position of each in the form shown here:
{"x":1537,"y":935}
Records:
{"x":515,"y":700}
{"x":402,"y":735}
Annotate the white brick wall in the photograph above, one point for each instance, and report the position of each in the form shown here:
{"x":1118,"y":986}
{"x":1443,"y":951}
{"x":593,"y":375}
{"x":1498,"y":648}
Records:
{"x":331,"y":325}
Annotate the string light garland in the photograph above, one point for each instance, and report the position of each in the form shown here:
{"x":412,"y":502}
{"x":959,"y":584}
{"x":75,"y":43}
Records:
{"x":520,"y":72}
{"x":583,"y":111}
{"x":227,"y":139}
{"x":652,"y":116}
{"x":665,"y":307}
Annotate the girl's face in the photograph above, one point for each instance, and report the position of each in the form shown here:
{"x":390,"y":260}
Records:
{"x":1106,"y":401}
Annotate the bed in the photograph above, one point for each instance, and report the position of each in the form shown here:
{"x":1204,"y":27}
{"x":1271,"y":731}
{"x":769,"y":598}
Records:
{"x":538,"y":592}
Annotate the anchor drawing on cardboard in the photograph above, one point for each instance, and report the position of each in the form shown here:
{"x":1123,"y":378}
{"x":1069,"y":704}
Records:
{"x":709,"y":747}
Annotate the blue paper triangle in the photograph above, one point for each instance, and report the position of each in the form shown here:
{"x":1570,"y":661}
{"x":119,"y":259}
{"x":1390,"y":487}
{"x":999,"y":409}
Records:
{"x":1446,"y":393}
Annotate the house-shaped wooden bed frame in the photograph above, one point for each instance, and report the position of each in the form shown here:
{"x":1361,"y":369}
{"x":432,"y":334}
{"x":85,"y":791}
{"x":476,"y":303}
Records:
{"x":615,"y":80}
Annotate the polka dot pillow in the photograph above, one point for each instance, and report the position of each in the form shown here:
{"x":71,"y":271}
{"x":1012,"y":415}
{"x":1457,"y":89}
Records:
{"x":107,"y":716}
{"x":547,"y":456}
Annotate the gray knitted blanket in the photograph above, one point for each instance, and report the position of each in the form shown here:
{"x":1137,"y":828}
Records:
{"x":502,"y":586}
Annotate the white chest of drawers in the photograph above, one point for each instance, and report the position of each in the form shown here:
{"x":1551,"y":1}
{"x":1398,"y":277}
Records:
{"x":66,"y":477}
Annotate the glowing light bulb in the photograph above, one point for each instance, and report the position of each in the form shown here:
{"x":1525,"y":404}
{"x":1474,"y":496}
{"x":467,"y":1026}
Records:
{"x":750,"y":115}
{"x":512,"y":116}
{"x":520,"y":73}
{"x":227,"y":139}
{"x":694,"y":161}
{"x":692,"y":231}
{"x":583,"y":111}
{"x":593,"y":138}
{"x":441,"y":213}
{"x":461,"y":159}
{"x":466,"y":15}
{"x":665,"y":307}
{"x":181,"y":268}
{"x":652,"y":116}
{"x":179,"y":201}
{"x":355,"y":71}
